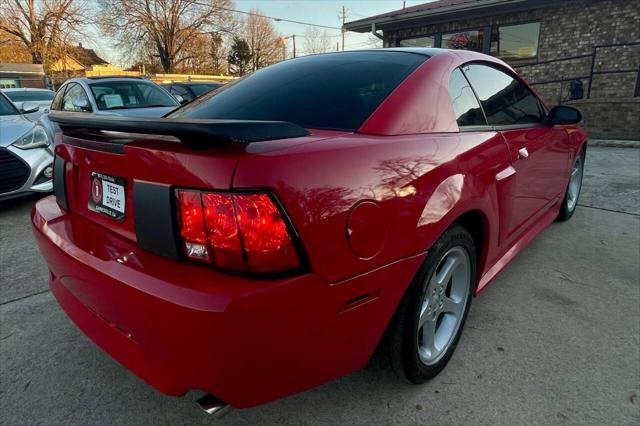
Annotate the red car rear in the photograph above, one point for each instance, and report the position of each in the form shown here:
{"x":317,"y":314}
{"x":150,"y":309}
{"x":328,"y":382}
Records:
{"x":261,"y":240}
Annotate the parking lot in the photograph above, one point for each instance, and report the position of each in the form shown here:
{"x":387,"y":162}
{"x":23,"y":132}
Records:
{"x":554,"y":340}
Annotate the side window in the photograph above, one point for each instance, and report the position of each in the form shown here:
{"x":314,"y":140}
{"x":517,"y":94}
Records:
{"x":504,"y":99}
{"x":465,"y":104}
{"x":75,"y":95}
{"x":179,"y":90}
{"x":56,"y":104}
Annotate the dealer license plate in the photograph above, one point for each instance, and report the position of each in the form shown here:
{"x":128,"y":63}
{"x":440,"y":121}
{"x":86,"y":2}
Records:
{"x":107,"y":195}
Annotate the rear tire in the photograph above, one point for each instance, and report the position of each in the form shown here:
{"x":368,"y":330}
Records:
{"x":571,"y":196}
{"x":428,"y":323}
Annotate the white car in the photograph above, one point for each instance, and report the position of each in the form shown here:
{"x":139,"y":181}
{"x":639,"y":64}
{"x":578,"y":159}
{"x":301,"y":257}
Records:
{"x":25,"y":152}
{"x":127,"y":96}
{"x":41,"y":97}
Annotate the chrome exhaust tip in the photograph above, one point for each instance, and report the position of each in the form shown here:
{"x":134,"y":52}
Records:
{"x":214,"y":406}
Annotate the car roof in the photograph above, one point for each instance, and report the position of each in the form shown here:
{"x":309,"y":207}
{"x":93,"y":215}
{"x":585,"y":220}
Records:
{"x":89,"y":80}
{"x":26,"y":89}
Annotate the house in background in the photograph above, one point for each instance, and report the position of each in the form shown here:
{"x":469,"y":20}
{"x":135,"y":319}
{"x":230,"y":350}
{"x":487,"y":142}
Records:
{"x":584,"y":53}
{"x":81,"y":62}
{"x":76,"y":60}
{"x":22,"y":75}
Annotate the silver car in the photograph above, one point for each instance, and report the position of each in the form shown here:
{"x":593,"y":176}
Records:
{"x":25,"y":152}
{"x":130,"y":96}
{"x":20,"y":96}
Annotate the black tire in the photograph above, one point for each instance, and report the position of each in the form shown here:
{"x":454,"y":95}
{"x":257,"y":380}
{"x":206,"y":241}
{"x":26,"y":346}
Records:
{"x":402,"y":335}
{"x":566,"y":210}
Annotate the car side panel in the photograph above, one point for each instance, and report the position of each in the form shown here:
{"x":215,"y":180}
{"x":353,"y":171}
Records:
{"x":539,"y":157}
{"x":420,"y":183}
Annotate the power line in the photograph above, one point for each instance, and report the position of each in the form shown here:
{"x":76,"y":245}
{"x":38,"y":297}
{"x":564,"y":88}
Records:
{"x":269,"y":17}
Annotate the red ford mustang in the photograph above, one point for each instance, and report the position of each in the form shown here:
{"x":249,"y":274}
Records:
{"x":262,"y":239}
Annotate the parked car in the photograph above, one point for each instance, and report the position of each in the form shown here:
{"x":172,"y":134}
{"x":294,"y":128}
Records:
{"x":25,"y":153}
{"x":41,"y":97}
{"x":262,"y":239}
{"x":188,"y":91}
{"x":128,"y":96}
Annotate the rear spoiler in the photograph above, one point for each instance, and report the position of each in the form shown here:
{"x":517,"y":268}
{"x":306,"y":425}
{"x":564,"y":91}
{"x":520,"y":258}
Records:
{"x":192,"y":133}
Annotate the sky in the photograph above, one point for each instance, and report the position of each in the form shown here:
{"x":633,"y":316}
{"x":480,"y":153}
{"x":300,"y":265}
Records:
{"x":323,"y":12}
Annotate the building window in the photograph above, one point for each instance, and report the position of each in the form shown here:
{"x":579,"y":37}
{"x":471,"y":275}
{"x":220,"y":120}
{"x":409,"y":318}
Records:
{"x":426,"y":41}
{"x":516,"y":41}
{"x":466,"y":40}
{"x":9,"y":84}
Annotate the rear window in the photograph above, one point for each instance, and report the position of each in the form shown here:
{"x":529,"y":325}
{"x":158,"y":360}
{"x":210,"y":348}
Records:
{"x":201,"y":89}
{"x":31,"y":96}
{"x":330,"y":91}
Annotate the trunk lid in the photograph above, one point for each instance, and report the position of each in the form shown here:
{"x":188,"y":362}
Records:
{"x":194,"y":154}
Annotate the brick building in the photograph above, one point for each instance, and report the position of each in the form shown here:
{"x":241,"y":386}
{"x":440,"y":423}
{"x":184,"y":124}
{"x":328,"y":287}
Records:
{"x":584,"y":53}
{"x":21,"y":75}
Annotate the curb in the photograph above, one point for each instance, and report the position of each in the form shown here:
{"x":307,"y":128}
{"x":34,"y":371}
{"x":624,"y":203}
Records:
{"x":611,"y":143}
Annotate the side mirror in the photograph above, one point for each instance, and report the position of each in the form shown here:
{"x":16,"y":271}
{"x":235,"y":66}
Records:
{"x":81,"y":103}
{"x":563,"y":114}
{"x":29,"y":107}
{"x":181,"y":100}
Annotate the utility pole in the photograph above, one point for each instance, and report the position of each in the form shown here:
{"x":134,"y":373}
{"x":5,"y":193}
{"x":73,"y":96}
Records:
{"x":294,"y":45}
{"x":344,"y":17}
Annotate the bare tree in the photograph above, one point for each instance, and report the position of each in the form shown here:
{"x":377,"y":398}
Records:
{"x":44,"y":27}
{"x":262,"y":38}
{"x":169,"y":25}
{"x":316,"y":41}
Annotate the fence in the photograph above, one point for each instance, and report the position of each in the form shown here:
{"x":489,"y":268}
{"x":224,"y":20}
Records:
{"x":596,"y":50}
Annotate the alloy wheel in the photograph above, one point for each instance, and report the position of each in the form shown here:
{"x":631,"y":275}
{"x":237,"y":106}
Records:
{"x":443,"y":305}
{"x":575,"y":182}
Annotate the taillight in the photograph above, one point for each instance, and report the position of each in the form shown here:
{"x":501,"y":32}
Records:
{"x":238,"y":232}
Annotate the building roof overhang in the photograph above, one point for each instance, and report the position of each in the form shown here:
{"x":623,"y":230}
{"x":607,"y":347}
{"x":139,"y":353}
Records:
{"x":444,"y":11}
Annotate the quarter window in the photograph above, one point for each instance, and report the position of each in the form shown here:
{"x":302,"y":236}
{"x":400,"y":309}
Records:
{"x":465,"y":104}
{"x":505,"y":100}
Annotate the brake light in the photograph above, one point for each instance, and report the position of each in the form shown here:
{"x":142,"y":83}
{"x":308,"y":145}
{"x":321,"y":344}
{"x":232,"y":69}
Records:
{"x":239,"y":232}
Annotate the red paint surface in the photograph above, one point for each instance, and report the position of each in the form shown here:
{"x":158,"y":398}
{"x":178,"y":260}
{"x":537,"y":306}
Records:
{"x":183,"y":326}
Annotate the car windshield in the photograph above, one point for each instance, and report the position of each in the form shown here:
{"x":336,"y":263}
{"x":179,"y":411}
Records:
{"x":6,"y":107}
{"x":30,"y":95}
{"x":330,"y":91}
{"x":127,"y":94}
{"x":201,"y":89}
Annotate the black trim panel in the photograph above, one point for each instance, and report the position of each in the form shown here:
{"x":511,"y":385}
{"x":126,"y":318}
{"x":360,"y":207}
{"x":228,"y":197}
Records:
{"x":59,"y":183}
{"x":153,"y":219}
{"x":192,"y":133}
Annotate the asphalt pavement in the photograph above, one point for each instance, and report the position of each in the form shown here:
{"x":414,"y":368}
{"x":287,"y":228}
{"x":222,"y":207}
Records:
{"x":554,"y":340}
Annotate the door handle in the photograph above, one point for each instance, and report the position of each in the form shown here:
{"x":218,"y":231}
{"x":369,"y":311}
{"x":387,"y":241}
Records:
{"x":523,"y":153}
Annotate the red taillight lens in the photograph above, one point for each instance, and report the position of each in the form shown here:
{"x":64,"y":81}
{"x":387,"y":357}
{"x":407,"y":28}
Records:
{"x":266,"y":239}
{"x":222,"y":231}
{"x":240,"y":232}
{"x":192,"y":225}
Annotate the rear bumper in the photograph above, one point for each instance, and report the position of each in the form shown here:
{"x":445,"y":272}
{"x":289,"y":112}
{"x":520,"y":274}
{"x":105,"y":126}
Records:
{"x":184,"y":327}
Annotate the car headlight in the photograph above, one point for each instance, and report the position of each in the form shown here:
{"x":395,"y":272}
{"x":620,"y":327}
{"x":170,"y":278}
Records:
{"x":35,"y":138}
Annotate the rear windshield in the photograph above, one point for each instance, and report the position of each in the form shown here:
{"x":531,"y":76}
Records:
{"x":330,"y":91}
{"x":201,"y":89}
{"x":30,"y":95}
{"x":126,"y":94}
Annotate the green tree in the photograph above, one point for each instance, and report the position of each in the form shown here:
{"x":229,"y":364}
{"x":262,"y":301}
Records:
{"x":240,"y":57}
